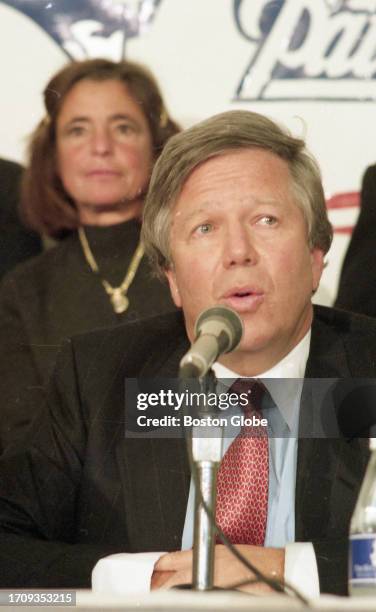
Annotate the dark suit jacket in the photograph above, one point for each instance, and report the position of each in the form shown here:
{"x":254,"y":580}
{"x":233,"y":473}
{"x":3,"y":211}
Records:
{"x":357,"y":284}
{"x":78,"y":489}
{"x":17,"y":243}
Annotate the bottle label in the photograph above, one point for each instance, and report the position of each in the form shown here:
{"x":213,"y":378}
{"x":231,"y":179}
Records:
{"x":362,"y":566}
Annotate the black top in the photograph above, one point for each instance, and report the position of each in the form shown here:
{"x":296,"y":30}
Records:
{"x":357,"y":285}
{"x":56,"y":295}
{"x":17,"y":243}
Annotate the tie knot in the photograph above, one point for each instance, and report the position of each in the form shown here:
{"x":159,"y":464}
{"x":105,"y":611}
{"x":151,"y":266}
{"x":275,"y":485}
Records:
{"x":253,"y":389}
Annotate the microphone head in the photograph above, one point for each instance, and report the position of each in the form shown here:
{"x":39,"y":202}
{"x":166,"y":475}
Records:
{"x":228,"y":321}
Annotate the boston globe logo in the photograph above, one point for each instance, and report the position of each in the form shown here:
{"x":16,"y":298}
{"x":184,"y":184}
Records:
{"x":308,"y":49}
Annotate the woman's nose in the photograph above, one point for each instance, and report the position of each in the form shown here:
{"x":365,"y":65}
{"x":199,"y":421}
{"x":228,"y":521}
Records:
{"x":101,"y":142}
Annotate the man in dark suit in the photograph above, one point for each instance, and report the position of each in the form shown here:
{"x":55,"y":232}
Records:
{"x":236,"y":216}
{"x":357,"y":283}
{"x":17,"y":243}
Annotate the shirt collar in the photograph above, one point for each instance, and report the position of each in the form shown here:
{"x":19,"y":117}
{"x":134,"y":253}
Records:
{"x":291,"y":368}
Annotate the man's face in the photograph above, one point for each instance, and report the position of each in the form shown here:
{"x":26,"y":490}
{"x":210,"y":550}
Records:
{"x":238,"y":238}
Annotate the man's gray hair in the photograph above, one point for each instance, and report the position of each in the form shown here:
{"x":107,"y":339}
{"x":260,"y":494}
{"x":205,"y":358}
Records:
{"x":215,"y":136}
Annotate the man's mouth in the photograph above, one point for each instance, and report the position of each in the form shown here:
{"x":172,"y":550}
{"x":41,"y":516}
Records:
{"x":242,"y":293}
{"x":246,"y":299}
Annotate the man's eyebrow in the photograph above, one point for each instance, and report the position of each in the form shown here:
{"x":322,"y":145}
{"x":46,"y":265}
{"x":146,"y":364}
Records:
{"x":269,"y":202}
{"x":211,"y":207}
{"x":194,"y":213}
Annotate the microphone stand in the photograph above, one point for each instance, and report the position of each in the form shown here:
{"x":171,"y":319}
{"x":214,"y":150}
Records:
{"x":217,"y":330}
{"x":206,"y":454}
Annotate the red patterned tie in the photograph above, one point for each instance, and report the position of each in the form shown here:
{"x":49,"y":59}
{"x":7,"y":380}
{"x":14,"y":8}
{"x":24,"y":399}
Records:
{"x":243,"y":477}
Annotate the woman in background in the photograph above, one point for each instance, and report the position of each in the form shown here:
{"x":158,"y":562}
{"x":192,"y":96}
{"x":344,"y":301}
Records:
{"x":90,"y":162}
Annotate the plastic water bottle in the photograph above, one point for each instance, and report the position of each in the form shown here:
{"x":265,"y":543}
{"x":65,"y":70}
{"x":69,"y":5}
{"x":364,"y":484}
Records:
{"x":362,"y":558}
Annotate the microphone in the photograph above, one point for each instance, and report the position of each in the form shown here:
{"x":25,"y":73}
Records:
{"x":218,"y":330}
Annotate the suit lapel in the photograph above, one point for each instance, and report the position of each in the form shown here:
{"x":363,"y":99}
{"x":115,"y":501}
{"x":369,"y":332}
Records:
{"x":328,"y":357}
{"x":166,"y":364}
{"x":155,"y":472}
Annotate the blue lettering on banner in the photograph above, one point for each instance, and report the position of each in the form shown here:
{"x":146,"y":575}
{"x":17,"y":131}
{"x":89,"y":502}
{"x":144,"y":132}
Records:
{"x":308,"y":49}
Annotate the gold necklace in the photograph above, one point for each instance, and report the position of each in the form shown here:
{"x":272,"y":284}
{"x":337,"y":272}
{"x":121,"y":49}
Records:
{"x":117,"y":295}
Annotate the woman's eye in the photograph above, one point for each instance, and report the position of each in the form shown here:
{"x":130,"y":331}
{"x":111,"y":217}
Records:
{"x":76,"y":130}
{"x":123,"y":128}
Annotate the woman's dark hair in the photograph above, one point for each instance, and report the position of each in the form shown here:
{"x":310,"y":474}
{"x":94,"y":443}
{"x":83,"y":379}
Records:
{"x":45,"y":204}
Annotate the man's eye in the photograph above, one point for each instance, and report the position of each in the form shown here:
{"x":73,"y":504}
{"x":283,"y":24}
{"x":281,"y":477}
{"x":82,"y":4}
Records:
{"x":204,"y":228}
{"x":267,"y":220}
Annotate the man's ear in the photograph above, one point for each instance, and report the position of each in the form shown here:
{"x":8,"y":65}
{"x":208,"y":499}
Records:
{"x":317,"y":263}
{"x":171,"y":277}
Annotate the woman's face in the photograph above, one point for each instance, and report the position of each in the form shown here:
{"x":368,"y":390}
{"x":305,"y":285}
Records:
{"x":104,"y":151}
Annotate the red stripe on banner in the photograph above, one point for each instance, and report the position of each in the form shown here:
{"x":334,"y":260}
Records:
{"x":343,"y":230}
{"x":345,"y":200}
{"x":348,"y":199}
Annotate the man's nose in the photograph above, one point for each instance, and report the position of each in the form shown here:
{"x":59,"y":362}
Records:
{"x":239,"y":248}
{"x":101,"y":142}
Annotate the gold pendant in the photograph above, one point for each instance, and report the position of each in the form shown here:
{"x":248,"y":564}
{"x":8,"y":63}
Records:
{"x":119,"y":301}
